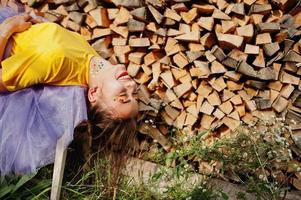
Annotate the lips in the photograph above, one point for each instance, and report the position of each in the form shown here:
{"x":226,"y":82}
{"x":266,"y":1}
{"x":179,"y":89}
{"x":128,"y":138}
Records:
{"x":123,"y":76}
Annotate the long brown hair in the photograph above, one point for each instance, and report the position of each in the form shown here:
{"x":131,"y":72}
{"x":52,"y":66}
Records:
{"x":112,"y":138}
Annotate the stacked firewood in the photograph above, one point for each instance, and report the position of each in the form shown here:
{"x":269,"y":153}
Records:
{"x":200,"y":64}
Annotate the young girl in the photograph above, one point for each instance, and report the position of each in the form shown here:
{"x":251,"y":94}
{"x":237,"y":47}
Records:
{"x":48,"y":54}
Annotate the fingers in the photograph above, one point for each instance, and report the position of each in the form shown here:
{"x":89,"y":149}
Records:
{"x":25,"y":16}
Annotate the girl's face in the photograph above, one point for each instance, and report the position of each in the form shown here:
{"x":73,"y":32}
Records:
{"x":115,"y":91}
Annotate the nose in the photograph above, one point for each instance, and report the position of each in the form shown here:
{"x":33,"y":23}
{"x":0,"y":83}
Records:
{"x":131,"y":84}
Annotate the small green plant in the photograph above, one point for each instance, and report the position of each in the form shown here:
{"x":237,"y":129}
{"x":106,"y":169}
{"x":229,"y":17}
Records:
{"x":249,"y":156}
{"x":34,"y":186}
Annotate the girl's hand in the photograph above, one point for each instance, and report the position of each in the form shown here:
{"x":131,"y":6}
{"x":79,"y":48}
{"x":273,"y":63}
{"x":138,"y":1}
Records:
{"x":15,"y":24}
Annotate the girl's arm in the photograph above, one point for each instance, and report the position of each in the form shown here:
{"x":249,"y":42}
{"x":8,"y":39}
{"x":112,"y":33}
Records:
{"x":10,"y":26}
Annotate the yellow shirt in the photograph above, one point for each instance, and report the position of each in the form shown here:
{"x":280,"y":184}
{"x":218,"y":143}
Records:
{"x":47,"y":53}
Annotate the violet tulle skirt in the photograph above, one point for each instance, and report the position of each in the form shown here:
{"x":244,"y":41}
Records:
{"x":33,"y":119}
{"x":31,"y":122}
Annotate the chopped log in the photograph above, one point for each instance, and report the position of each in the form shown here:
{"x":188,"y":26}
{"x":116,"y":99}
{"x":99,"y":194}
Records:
{"x":227,"y":94}
{"x":156,"y":14}
{"x":226,"y":107}
{"x":234,"y":115}
{"x":218,"y":53}
{"x":260,"y":9}
{"x":189,"y":16}
{"x":139,"y":13}
{"x":206,"y":108}
{"x":259,"y":60}
{"x":236,"y":100}
{"x":218,"y":14}
{"x":218,"y":84}
{"x":192,"y":109}
{"x":86,"y":33}
{"x":169,"y":13}
{"x":73,"y":26}
{"x":205,"y":8}
{"x":90,"y":21}
{"x":206,"y":22}
{"x":256,"y":18}
{"x":121,"y":30}
{"x":172,"y":112}
{"x":155,"y":134}
{"x":228,"y":26}
{"x":214,"y":99}
{"x":241,"y":110}
{"x":118,"y":41}
{"x":238,"y":8}
{"x":53,"y":16}
{"x":196,"y":72}
{"x":287,"y":90}
{"x":218,"y":114}
{"x":179,"y":122}
{"x":139,"y":42}
{"x":246,"y":31}
{"x":257,"y":84}
{"x":266,"y":74}
{"x":271,"y":48}
{"x":233,"y":86}
{"x":263,"y":38}
{"x":241,"y":21}
{"x":206,"y":121}
{"x":90,"y":6}
{"x":136,"y":57}
{"x":178,"y":73}
{"x":77,"y":17}
{"x":180,"y":60}
{"x":228,"y":41}
{"x":230,"y":62}
{"x":280,"y":104}
{"x":273,"y":95}
{"x":128,"y":3}
{"x":100,"y":16}
{"x":244,"y":95}
{"x":251,"y":49}
{"x":275,"y":85}
{"x":181,"y":89}
{"x":133,"y":69}
{"x":193,"y":55}
{"x":167,"y":79}
{"x":209,"y":56}
{"x":135,"y":26}
{"x":262,"y":103}
{"x":100,"y":32}
{"x":112,"y":13}
{"x":288,"y":78}
{"x":208,"y":40}
{"x":190,"y":37}
{"x":231,"y":123}
{"x":246,"y":69}
{"x":250,"y":105}
{"x":217,"y":68}
{"x":190,"y":119}
{"x":268,"y":27}
{"x":292,"y":56}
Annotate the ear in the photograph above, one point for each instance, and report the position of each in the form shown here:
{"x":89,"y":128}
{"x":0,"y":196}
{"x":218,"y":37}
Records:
{"x":92,"y":94}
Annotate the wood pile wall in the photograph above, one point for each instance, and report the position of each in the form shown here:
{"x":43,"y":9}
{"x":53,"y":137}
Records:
{"x":200,"y":64}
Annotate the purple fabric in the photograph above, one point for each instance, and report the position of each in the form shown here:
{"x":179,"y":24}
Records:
{"x":33,"y":119}
{"x":31,"y":122}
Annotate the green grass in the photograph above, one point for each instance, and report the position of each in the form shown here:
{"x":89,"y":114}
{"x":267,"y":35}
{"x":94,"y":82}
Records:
{"x":248,"y":158}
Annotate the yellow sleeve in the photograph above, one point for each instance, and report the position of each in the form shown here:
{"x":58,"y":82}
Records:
{"x":53,"y":56}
